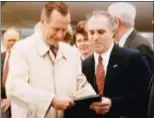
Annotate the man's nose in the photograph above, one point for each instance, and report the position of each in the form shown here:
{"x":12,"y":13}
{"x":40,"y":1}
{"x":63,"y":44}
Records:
{"x":82,"y":43}
{"x":12,"y":42}
{"x":60,"y":34}
{"x":95,"y":37}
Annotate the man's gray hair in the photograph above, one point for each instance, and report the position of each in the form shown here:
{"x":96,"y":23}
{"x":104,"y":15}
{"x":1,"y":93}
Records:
{"x":98,"y":13}
{"x":126,"y":12}
{"x":11,"y":29}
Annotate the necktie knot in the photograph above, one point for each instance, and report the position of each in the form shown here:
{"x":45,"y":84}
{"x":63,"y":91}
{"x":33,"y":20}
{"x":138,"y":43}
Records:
{"x":100,"y":58}
{"x":53,"y":49}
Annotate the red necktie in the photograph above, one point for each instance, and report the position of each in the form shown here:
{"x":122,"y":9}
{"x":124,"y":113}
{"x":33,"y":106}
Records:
{"x":5,"y":71}
{"x":53,"y":49}
{"x":100,"y":76}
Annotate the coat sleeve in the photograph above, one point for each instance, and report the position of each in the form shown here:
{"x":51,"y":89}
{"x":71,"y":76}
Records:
{"x":17,"y":84}
{"x":84,"y":88}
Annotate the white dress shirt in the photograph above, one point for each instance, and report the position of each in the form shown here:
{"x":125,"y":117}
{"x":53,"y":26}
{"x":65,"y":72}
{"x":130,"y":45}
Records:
{"x":105,"y":58}
{"x":124,"y":37}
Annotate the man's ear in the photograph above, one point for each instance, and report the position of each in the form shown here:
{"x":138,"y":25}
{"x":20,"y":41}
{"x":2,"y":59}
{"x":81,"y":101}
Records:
{"x":117,"y":23}
{"x":44,"y":20}
{"x":113,"y":33}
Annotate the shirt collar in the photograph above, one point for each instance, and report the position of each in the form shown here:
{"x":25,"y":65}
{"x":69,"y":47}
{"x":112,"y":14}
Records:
{"x":124,"y":37}
{"x":105,"y":55}
{"x":43,"y":47}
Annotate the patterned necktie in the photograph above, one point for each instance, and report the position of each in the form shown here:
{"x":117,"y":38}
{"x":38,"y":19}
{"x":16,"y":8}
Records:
{"x":53,"y":49}
{"x":5,"y":71}
{"x":100,"y":76}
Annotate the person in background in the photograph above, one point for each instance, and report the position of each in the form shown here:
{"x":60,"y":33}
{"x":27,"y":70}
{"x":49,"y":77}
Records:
{"x":81,"y":41}
{"x":69,"y":35}
{"x":119,"y":75}
{"x":125,"y":32}
{"x":2,"y":46}
{"x":10,"y":37}
{"x":45,"y":74}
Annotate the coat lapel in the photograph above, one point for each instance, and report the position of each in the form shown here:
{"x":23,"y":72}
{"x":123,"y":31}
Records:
{"x":91,"y":71}
{"x":62,"y":52}
{"x":112,"y":66}
{"x":129,"y":39}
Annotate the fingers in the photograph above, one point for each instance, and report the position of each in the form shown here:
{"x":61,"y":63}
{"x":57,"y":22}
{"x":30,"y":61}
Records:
{"x":2,"y":104}
{"x":95,"y":108}
{"x":101,"y":104}
{"x":101,"y":107}
{"x":67,"y":105}
{"x":62,"y":103}
{"x":71,"y":103}
{"x":5,"y":102}
{"x":100,"y":110}
{"x":6,"y":108}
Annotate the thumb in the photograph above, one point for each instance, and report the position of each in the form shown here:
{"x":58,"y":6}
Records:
{"x":71,"y":102}
{"x":6,"y":107}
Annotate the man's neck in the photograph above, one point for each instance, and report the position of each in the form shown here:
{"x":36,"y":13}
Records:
{"x":121,"y":32}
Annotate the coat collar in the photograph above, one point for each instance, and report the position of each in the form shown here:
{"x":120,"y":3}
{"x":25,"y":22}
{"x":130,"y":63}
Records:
{"x":130,"y":38}
{"x":43,"y":48}
{"x":125,"y":37}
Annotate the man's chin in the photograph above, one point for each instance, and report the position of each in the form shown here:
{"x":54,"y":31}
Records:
{"x":52,"y":43}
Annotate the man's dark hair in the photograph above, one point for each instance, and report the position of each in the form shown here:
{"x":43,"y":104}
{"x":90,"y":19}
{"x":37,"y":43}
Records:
{"x":59,"y":6}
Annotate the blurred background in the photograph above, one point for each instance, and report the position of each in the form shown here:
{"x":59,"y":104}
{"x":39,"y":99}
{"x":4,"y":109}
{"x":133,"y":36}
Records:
{"x":25,"y":15}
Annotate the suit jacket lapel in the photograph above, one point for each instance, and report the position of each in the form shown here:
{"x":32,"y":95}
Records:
{"x":112,"y":65}
{"x":91,"y":70}
{"x":113,"y":62}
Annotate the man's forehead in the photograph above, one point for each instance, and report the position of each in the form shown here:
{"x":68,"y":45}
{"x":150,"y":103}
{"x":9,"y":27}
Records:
{"x":11,"y":35}
{"x":97,"y":22}
{"x":56,"y":15}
